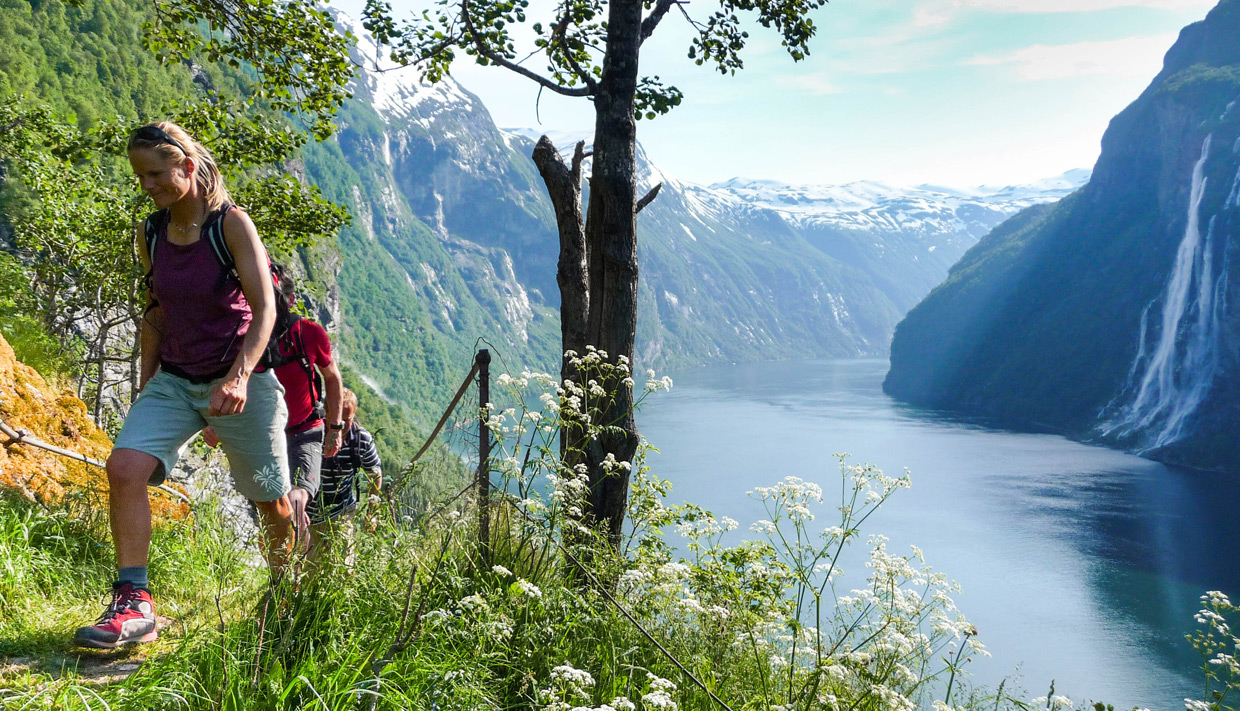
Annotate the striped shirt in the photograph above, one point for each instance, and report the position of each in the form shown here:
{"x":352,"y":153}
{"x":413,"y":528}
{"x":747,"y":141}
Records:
{"x":357,"y":450}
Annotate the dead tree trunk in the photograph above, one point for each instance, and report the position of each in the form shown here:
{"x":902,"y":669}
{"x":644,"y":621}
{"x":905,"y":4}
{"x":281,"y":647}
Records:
{"x":564,"y":187}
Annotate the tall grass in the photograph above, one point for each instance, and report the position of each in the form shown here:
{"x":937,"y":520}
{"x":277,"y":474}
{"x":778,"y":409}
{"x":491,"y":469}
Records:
{"x":425,"y":620}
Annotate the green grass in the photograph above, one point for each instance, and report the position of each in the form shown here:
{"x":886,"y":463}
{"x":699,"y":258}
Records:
{"x":420,"y":621}
{"x":469,"y":635}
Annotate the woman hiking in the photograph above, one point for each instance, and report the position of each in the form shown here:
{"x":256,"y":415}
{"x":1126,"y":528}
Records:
{"x":204,"y":331}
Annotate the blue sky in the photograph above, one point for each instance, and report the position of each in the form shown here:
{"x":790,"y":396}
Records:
{"x":952,"y":92}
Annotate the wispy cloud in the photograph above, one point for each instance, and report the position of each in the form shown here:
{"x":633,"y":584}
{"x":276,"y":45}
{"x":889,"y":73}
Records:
{"x":1128,"y":57}
{"x":812,"y":84}
{"x":1045,"y":6}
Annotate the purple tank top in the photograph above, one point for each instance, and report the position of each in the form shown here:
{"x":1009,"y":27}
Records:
{"x":206,"y":315}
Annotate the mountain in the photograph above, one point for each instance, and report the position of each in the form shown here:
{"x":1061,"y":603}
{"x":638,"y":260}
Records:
{"x":905,"y":238}
{"x":1111,"y":314}
{"x":454,"y":213}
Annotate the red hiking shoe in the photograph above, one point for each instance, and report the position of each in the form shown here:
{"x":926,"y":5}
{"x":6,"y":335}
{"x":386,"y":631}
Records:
{"x":128,"y":619}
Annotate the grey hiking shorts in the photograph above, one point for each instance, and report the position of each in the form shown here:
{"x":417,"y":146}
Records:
{"x":171,"y":411}
{"x":305,"y":459}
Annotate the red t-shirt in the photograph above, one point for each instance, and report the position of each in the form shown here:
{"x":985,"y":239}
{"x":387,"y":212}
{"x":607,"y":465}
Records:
{"x":293,"y":376}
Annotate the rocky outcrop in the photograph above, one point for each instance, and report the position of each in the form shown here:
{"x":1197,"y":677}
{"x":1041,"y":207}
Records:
{"x":28,"y":403}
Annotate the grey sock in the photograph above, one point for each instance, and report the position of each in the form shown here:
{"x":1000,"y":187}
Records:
{"x":134,"y":575}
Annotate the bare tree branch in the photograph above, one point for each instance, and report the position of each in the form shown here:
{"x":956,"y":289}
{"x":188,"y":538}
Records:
{"x":579,"y":155}
{"x":655,"y":17}
{"x":499,"y":60}
{"x":649,"y":197}
{"x":701,"y":29}
{"x":374,"y":67}
{"x":560,"y":31}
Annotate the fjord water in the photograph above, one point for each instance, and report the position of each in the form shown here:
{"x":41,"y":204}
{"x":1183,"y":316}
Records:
{"x":1078,"y":563}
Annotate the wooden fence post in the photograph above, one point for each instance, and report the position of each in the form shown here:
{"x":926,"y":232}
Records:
{"x":483,"y":478}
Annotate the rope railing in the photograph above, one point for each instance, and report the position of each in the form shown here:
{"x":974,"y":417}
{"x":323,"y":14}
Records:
{"x":16,"y":436}
{"x":460,"y":392}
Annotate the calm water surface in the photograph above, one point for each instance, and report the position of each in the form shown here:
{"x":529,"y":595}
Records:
{"x":1078,"y":563}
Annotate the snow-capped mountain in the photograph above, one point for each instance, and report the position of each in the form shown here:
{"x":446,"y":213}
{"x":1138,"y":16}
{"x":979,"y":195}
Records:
{"x":453,"y":216}
{"x":904,"y":237}
{"x":928,"y":210}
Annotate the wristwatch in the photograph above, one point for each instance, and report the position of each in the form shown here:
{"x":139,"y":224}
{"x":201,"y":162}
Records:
{"x":336,"y":426}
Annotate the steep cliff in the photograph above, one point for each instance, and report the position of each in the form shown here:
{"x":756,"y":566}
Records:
{"x":1110,"y":315}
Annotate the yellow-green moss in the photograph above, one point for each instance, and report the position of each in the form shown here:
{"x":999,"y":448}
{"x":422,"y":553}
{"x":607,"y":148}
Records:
{"x":29,"y":403}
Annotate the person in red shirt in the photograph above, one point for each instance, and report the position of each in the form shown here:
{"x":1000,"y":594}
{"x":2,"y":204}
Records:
{"x":312,"y":392}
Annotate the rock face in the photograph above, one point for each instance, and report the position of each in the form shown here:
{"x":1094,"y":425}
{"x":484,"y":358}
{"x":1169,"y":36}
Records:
{"x":1113,"y":314}
{"x":29,"y":404}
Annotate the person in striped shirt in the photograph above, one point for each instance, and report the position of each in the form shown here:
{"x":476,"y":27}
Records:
{"x":331,"y":511}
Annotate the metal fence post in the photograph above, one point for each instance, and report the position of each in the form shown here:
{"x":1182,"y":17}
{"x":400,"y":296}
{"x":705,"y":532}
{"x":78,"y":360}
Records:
{"x":483,"y":478}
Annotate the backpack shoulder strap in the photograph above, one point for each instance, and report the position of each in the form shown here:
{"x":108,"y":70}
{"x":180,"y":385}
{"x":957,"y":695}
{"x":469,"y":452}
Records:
{"x":316,"y":386}
{"x":155,"y":222}
{"x":213,"y":232}
{"x":355,"y":447}
{"x":151,"y":227}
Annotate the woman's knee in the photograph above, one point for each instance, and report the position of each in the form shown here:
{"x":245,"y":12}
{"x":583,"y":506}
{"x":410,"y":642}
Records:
{"x":129,"y":467}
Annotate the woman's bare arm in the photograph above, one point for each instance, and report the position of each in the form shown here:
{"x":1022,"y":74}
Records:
{"x":228,"y":398}
{"x":151,"y":327}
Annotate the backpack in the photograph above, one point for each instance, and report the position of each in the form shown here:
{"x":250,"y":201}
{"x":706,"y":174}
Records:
{"x":296,"y":351}
{"x":213,"y":232}
{"x":355,"y":449}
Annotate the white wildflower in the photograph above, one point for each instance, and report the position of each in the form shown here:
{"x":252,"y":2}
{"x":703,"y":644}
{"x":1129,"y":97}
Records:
{"x":659,"y":683}
{"x":526,"y":588}
{"x":659,"y":700}
{"x":473,"y":603}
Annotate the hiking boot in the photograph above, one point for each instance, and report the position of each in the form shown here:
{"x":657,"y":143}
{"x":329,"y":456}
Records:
{"x":128,"y":619}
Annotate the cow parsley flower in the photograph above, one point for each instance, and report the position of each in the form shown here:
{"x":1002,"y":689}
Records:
{"x":526,"y":588}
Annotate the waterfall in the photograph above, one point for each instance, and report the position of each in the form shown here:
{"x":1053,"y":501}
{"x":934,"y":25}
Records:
{"x":1168,"y":382}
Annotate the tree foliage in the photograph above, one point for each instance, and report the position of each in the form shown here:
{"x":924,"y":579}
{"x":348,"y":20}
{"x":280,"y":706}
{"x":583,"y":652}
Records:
{"x":573,"y":40}
{"x":301,"y":62}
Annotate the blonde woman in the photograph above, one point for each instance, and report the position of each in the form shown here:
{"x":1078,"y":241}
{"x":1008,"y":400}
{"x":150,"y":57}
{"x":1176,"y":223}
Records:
{"x":203,"y":334}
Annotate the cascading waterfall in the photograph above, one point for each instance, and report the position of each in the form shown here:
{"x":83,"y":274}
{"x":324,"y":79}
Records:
{"x":1168,"y":382}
